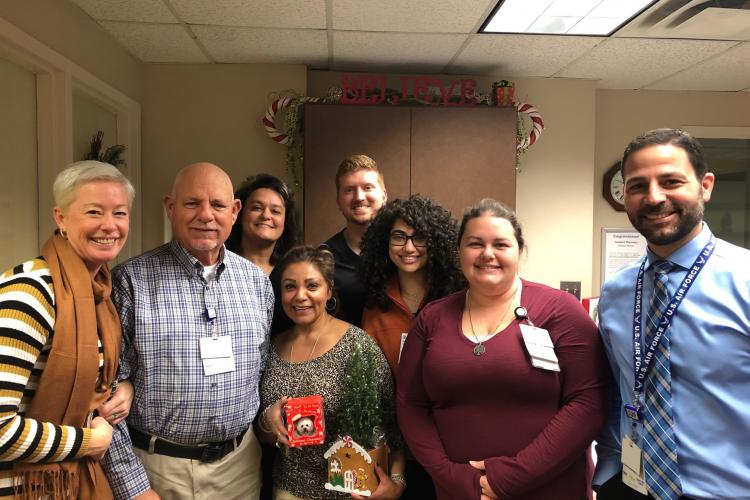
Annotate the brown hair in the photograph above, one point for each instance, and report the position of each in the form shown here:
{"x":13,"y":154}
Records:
{"x":494,"y":208}
{"x":354,"y":163}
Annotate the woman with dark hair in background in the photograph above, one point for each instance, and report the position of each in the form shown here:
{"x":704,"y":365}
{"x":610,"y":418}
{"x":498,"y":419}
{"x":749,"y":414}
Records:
{"x":409,"y":259}
{"x":502,"y":387}
{"x":267,"y":226}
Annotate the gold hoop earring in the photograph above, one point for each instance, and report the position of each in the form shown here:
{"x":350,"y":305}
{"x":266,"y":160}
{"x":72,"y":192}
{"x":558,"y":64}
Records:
{"x":63,"y":234}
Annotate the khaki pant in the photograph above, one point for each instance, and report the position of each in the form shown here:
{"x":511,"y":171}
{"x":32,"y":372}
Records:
{"x":284,"y":495}
{"x":236,"y":476}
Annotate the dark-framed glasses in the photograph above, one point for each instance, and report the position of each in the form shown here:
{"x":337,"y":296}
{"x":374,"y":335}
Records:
{"x":399,"y":239}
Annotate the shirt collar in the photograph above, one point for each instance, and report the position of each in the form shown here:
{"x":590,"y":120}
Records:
{"x":687,"y":253}
{"x":192,"y":265}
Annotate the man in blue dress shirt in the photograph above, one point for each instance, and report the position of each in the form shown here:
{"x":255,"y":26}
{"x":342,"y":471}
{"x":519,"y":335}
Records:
{"x":694,"y":378}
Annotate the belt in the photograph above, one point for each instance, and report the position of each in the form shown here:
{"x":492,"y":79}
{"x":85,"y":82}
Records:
{"x":208,"y":452}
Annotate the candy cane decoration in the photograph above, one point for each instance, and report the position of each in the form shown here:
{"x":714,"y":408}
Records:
{"x":537,"y":122}
{"x":269,"y":120}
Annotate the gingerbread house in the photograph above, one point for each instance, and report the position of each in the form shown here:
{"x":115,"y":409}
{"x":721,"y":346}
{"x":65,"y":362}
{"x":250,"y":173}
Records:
{"x":351,"y":469}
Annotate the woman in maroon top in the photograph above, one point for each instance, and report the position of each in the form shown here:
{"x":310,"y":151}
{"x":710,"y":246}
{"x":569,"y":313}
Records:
{"x":479,"y":417}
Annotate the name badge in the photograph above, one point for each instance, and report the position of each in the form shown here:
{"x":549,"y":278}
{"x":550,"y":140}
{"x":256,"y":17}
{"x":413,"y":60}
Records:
{"x":216,"y":354}
{"x":632,"y":466}
{"x":403,"y":341}
{"x":540,"y":348}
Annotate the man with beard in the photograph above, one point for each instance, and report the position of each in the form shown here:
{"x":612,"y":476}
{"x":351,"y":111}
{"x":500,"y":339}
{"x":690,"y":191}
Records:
{"x":676,"y":328}
{"x":360,"y":194}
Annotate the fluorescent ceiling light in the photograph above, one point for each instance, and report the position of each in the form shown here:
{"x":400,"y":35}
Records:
{"x":563,"y":17}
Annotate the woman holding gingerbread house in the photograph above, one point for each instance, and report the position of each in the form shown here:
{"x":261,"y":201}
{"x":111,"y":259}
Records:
{"x":309,"y":362}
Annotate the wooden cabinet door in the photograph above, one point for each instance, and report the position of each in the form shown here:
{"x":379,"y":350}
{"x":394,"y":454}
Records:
{"x":333,"y":132}
{"x":461,"y":155}
{"x":453,"y":155}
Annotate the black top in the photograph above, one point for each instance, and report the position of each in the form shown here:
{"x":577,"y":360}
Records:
{"x":347,"y":282}
{"x":281,"y":321}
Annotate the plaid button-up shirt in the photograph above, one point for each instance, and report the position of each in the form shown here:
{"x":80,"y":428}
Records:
{"x":163,"y":301}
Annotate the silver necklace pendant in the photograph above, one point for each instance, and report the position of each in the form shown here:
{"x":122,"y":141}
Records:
{"x":479,"y":349}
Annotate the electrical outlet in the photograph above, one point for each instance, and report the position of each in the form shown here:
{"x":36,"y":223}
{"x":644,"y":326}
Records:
{"x":573,"y":287}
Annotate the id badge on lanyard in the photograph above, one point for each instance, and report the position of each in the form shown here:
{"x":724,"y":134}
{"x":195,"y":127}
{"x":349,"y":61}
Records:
{"x":643,"y":356}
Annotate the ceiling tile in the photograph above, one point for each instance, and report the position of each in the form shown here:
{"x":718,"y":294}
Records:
{"x":150,"y":11}
{"x":632,"y":63}
{"x":253,"y":13}
{"x":712,"y":74}
{"x":521,"y":55}
{"x":157,"y":43}
{"x":252,"y":45}
{"x":425,"y":16}
{"x":418,"y":52}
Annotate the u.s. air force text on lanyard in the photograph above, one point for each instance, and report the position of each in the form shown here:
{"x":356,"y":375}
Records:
{"x":642,"y":363}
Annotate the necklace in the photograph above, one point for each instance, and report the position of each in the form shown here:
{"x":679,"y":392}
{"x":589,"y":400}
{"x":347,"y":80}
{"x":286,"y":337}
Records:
{"x":312,"y":351}
{"x":479,"y":348}
{"x":305,"y":368}
{"x":413,"y":300}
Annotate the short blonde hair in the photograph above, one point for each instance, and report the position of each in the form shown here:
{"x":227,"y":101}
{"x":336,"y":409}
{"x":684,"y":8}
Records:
{"x":353,"y":164}
{"x":82,"y":172}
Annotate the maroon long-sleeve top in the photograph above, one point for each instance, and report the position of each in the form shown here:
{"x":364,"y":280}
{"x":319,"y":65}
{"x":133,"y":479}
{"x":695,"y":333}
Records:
{"x":531,"y":427}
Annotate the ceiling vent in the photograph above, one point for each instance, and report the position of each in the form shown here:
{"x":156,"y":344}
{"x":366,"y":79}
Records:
{"x":699,"y":19}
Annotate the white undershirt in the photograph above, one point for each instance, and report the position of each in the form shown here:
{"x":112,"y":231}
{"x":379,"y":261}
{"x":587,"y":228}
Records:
{"x":209,"y":272}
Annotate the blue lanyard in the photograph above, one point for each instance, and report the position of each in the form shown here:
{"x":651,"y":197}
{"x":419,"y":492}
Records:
{"x":642,"y":363}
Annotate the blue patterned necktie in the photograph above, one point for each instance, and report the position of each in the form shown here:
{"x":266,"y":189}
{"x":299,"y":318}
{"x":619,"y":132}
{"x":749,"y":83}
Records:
{"x":659,"y":446}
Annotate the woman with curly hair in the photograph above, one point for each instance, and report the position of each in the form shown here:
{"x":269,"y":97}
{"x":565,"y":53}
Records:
{"x":267,"y":225}
{"x":409,"y":259}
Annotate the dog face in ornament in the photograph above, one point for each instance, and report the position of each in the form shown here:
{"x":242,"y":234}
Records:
{"x":304,"y":427}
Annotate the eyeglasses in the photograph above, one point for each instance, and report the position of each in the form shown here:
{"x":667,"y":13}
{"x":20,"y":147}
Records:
{"x":399,"y":239}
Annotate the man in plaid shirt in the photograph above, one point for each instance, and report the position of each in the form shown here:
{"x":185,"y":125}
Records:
{"x":196,"y":319}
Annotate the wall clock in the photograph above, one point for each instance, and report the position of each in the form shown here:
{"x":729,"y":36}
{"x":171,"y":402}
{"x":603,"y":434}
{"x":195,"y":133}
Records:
{"x":613,"y":188}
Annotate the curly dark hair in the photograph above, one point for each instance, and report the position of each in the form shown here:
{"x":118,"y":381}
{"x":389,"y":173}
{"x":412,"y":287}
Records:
{"x":291,"y":235}
{"x":428,"y":218}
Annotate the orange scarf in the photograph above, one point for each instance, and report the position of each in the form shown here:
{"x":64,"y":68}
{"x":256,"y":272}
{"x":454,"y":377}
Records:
{"x":70,"y":387}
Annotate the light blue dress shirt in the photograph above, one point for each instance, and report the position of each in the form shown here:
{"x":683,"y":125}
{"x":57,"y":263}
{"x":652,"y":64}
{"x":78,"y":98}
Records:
{"x":710,"y":367}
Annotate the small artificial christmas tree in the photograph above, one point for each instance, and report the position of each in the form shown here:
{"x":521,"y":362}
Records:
{"x":361,"y":416}
{"x":351,"y":467}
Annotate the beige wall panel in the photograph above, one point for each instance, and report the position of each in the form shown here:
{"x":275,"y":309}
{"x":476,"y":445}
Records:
{"x":19,"y":231}
{"x":65,"y":28}
{"x":622,"y":115}
{"x":207,"y":113}
{"x":333,"y":132}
